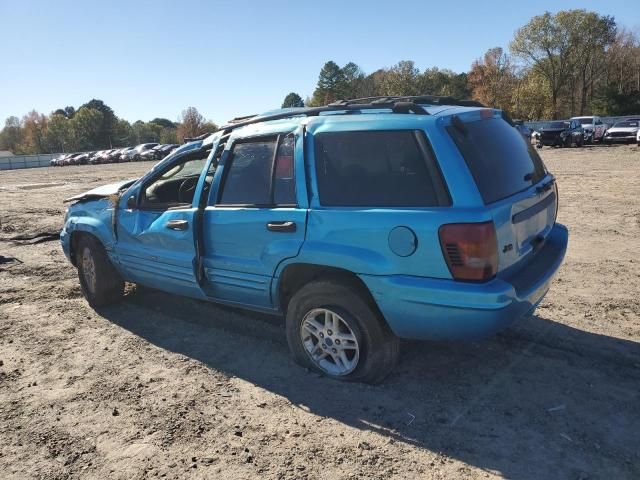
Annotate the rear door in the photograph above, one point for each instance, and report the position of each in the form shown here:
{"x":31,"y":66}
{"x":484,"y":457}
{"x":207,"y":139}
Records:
{"x":513,"y":183}
{"x":256,"y":217}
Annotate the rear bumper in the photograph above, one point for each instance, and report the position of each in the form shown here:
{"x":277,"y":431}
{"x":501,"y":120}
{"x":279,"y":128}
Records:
{"x":439,"y":309}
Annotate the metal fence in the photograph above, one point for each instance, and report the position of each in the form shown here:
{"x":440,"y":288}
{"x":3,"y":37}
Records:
{"x":26,"y":161}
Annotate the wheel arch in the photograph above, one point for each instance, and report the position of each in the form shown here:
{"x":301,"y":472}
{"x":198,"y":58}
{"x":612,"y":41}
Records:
{"x":295,"y":275}
{"x":78,"y":233}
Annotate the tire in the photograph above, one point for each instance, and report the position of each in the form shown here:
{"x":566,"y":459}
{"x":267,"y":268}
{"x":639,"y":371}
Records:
{"x":100,"y":282}
{"x":375,"y":352}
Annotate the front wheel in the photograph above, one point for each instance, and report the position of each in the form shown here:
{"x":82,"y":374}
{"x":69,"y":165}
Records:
{"x":334,"y":329}
{"x":100,"y":282}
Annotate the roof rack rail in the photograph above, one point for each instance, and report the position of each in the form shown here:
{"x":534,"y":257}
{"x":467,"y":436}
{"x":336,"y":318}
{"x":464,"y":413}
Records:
{"x":243,"y":118}
{"x":420,"y":99}
{"x":199,"y":137}
{"x":397,"y":104}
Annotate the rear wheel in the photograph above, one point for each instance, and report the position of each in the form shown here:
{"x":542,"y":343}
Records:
{"x":100,"y":282}
{"x":335,"y":330}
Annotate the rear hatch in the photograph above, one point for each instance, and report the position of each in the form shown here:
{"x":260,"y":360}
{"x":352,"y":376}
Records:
{"x":513,"y":183}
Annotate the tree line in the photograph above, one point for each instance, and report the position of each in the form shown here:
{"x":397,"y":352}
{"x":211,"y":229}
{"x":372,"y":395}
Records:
{"x":94,"y":126}
{"x":574,"y":62}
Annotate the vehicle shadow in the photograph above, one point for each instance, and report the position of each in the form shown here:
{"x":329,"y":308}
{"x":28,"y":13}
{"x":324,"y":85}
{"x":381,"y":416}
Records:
{"x":542,"y":400}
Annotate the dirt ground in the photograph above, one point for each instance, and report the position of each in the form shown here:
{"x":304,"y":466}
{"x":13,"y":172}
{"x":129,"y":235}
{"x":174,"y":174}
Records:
{"x":162,"y":386}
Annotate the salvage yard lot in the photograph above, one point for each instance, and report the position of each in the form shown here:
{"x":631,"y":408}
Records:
{"x":161,"y":386}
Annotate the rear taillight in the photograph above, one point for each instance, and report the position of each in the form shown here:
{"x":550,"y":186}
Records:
{"x":470,"y":249}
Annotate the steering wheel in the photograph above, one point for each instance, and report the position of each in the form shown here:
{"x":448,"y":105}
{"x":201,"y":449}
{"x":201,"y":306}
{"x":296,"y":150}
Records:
{"x":187,"y":189}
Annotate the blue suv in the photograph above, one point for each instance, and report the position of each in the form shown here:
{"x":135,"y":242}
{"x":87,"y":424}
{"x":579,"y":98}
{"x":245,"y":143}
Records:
{"x":362,"y":222}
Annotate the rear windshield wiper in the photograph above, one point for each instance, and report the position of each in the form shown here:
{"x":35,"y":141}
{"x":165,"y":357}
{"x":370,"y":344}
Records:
{"x":546,"y":186}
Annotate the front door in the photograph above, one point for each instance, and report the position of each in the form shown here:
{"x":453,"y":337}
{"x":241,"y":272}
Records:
{"x":155,"y":245}
{"x":256,"y":218}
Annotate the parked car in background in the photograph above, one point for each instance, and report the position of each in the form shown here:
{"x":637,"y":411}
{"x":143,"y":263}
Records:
{"x":152,"y":153}
{"x":105,"y":155}
{"x":164,"y":150}
{"x":59,"y":161}
{"x":126,"y":155}
{"x":562,"y":133}
{"x":449,"y":232}
{"x":593,"y":127}
{"x":638,"y":138}
{"x":114,"y":156}
{"x":625,"y":131}
{"x":134,"y":153}
{"x":94,"y":158}
{"x":523,"y":129}
{"x":66,"y":160}
{"x":79,"y":159}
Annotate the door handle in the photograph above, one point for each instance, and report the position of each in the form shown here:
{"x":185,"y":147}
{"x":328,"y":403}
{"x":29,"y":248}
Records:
{"x":177,"y":225}
{"x":283,"y":227}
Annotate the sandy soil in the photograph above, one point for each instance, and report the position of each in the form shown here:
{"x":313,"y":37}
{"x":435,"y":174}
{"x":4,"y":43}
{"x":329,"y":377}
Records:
{"x":161,"y":386}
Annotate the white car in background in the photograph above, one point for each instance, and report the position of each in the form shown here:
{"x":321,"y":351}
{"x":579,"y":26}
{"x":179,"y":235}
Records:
{"x":638,"y":138}
{"x":624,"y":131}
{"x":593,"y":128}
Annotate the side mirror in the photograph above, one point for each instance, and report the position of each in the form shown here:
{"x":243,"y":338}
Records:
{"x":132,"y":202}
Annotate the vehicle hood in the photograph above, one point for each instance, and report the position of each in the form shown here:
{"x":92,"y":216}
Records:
{"x":101,"y":192}
{"x":553,"y":130}
{"x":629,"y":130}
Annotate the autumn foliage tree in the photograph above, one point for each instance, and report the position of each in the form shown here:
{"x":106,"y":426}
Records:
{"x":492,"y":79}
{"x":193,"y":124}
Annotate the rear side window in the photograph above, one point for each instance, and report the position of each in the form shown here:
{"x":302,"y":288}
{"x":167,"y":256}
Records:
{"x":501,"y":161}
{"x":377,"y":169}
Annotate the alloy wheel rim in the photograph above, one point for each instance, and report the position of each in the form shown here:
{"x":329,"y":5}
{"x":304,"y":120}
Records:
{"x":89,"y":270}
{"x":330,"y":342}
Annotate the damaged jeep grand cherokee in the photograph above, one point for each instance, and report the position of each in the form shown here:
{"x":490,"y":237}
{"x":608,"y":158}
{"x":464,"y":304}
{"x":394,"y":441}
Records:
{"x":362,"y":222}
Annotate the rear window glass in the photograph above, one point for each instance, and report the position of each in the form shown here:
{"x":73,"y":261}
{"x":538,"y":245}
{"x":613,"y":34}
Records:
{"x":501,"y":161}
{"x":376,"y":168}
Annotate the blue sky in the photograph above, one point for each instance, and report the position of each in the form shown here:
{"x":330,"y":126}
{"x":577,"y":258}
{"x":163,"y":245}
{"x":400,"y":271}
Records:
{"x":151,"y":59}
